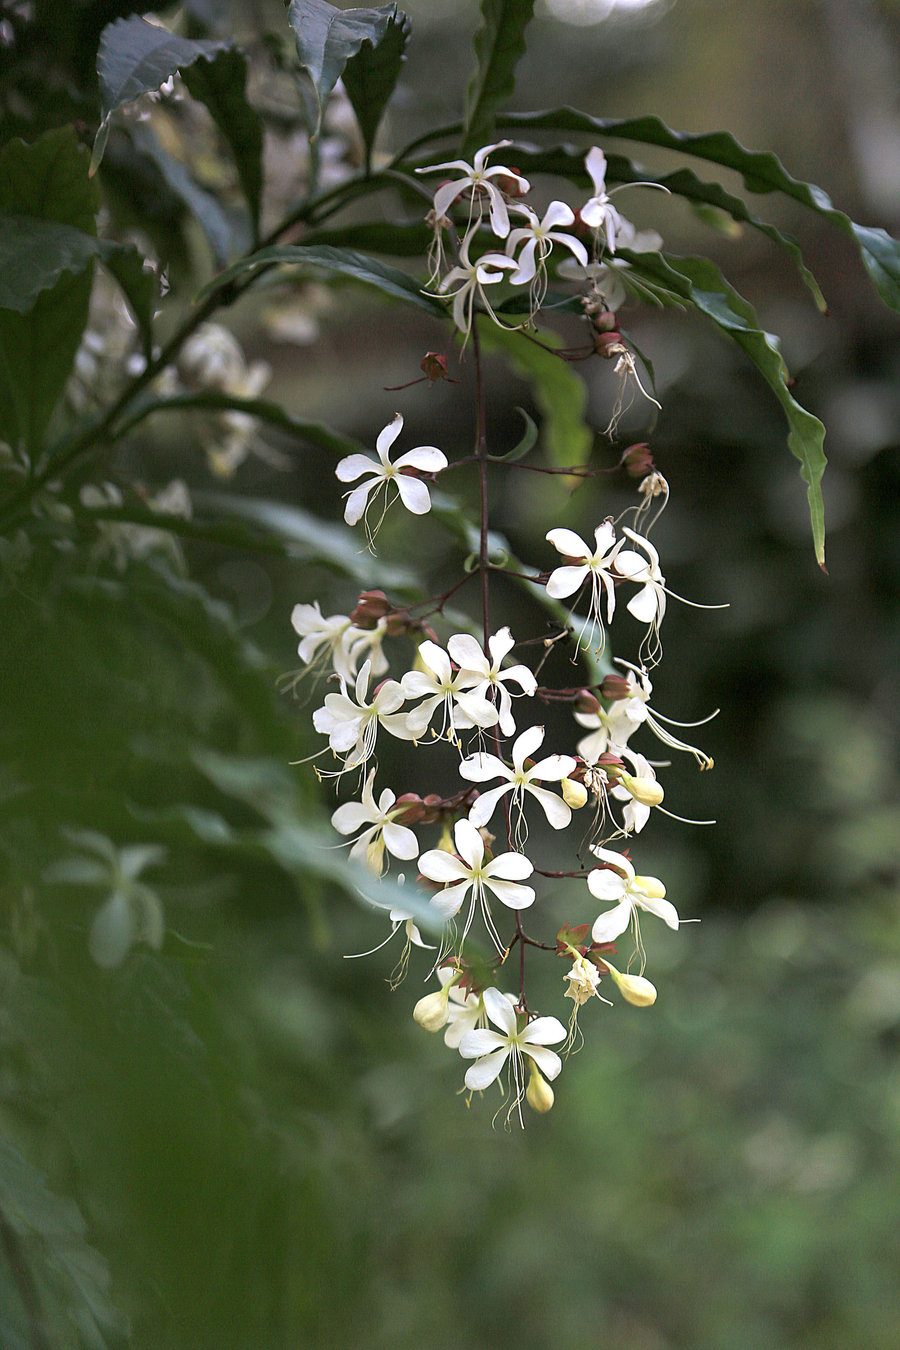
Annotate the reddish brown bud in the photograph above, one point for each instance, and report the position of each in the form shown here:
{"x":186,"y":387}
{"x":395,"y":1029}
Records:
{"x":586,"y":702}
{"x":610,"y":761}
{"x":605,"y":321}
{"x":608,"y":345}
{"x":616,"y":686}
{"x":370,"y":608}
{"x":413,"y":809}
{"x":434,"y":366}
{"x":638,"y":460}
{"x":432,"y":803}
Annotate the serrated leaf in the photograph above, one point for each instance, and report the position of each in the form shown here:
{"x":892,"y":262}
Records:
{"x":136,"y":57}
{"x":46,"y":181}
{"x":499,"y":46}
{"x":761,"y":172}
{"x":327,"y":38}
{"x":559,"y":394}
{"x":700,"y":282}
{"x":343,"y":261}
{"x":370,"y":76}
{"x":220,"y":85}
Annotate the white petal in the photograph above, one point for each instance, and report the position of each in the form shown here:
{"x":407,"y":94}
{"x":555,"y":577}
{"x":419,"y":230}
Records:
{"x":484,"y":1071}
{"x":482,"y":767}
{"x":568,"y":543}
{"x":557,"y":213}
{"x":526,"y":744}
{"x":351,"y":467}
{"x":555,"y":809}
{"x":478,"y":710}
{"x":450,"y":900}
{"x":527,"y":266}
{"x":500,"y":1010}
{"x":595,"y":163}
{"x":467,"y":653}
{"x":480,"y":1041}
{"x":565,"y":581}
{"x":400,"y":840}
{"x":356,"y":501}
{"x":483,"y":808}
{"x":500,"y":644}
{"x":510,"y":894}
{"x":439,"y":865}
{"x":510,"y":866}
{"x":554,"y":768}
{"x":605,"y":884}
{"x":544,"y":1031}
{"x":663,"y":909}
{"x":547,"y":1061}
{"x":425,"y":457}
{"x":645,"y":605}
{"x":388,"y":435}
{"x":413,"y":494}
{"x":613,"y":923}
{"x":350,"y":817}
{"x":618,"y":860}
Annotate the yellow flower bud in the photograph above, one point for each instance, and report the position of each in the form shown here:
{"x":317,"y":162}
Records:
{"x":539,"y":1093}
{"x":574,"y":794}
{"x":433,"y":1011}
{"x":652,"y":887}
{"x":644,"y":790}
{"x":633,"y":988}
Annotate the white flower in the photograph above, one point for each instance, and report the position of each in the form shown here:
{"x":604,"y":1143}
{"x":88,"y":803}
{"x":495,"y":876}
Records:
{"x":491,"y":1049}
{"x":597,"y":564}
{"x":482,"y":767}
{"x":538,"y":238}
{"x":383,"y":832}
{"x":352,"y":727}
{"x":413,"y":492}
{"x":631,"y":893}
{"x":610,"y":727}
{"x":465,"y":1009}
{"x":639,"y":790}
{"x":649,"y":605}
{"x":469,"y":872}
{"x":439,"y":687}
{"x":610,"y":277}
{"x":583,"y":979}
{"x":338,"y":640}
{"x":473,"y":277}
{"x":598,"y":213}
{"x":478,"y":178}
{"x":487,"y":675}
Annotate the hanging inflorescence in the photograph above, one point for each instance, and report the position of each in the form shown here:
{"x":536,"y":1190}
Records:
{"x":475,"y":696}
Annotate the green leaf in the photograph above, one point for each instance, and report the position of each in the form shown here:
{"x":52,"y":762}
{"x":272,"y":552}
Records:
{"x":761,"y":173}
{"x":45,"y":181}
{"x":220,"y":85}
{"x":35,"y":253}
{"x":370,"y":76}
{"x":568,"y":162}
{"x":398,"y":239}
{"x":699,"y":281}
{"x":213,"y":400}
{"x":138,"y":284}
{"x":327,"y":38}
{"x":499,"y":46}
{"x":136,"y":57}
{"x":558,"y":392}
{"x":528,"y":441}
{"x":227,"y":233}
{"x":343,"y":261}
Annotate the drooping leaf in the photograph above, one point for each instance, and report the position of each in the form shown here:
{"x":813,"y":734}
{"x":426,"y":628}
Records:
{"x":327,"y":38}
{"x":45,"y":181}
{"x":761,"y":173}
{"x":35,"y":253}
{"x":528,"y":442}
{"x":699,"y":281}
{"x":220,"y":85}
{"x":136,"y":57}
{"x":139,"y":286}
{"x":499,"y":46}
{"x":227,"y":232}
{"x":568,"y":162}
{"x":370,"y":76}
{"x":342,"y":261}
{"x":559,"y":394}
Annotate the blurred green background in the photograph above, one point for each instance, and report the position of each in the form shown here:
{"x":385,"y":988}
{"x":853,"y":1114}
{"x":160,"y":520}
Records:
{"x":243,"y":1140}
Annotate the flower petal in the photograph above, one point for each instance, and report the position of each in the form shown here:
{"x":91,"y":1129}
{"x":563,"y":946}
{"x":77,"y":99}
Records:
{"x":525,"y":745}
{"x":388,"y":435}
{"x":555,"y":809}
{"x":483,"y":808}
{"x":439,"y":865}
{"x":510,"y":866}
{"x":568,"y":543}
{"x":413,"y":494}
{"x":357,"y":501}
{"x":544,"y":1031}
{"x":427,"y":458}
{"x":511,"y":894}
{"x":610,"y":925}
{"x":484,"y":1071}
{"x":482,"y":767}
{"x":400,"y":840}
{"x":548,"y":1061}
{"x":353,"y":465}
{"x":565,"y":581}
{"x":500,"y":1010}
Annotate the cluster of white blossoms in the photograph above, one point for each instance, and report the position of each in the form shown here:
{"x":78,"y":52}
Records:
{"x":470,"y":702}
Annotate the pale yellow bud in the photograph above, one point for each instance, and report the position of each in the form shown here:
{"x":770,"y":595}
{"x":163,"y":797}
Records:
{"x":539,"y":1093}
{"x":574,"y":794}
{"x":644,"y":790}
{"x":652,"y":887}
{"x":445,"y":843}
{"x":375,"y":854}
{"x":433,"y":1011}
{"x":634,"y":988}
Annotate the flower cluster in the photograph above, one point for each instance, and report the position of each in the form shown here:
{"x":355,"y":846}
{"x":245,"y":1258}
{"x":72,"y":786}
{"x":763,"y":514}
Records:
{"x":470,"y":702}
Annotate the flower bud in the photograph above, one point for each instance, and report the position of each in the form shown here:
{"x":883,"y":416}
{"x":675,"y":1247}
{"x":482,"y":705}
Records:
{"x":586,"y":702}
{"x":638,"y":460}
{"x":652,"y":887}
{"x":434,"y":365}
{"x":647,"y":791}
{"x":605,"y":321}
{"x":610,"y":762}
{"x":539,"y":1093}
{"x":433,"y":1011}
{"x":409,"y":809}
{"x":608,"y":344}
{"x":370,"y":607}
{"x":574,"y":794}
{"x":635,"y":989}
{"x":616,"y":686}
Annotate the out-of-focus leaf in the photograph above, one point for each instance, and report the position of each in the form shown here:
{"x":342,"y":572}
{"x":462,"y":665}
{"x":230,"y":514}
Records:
{"x":559,"y":394}
{"x":138,"y":284}
{"x":327,"y":38}
{"x":212,"y":400}
{"x":342,"y":261}
{"x":35,"y":253}
{"x":45,"y":181}
{"x":220,"y":84}
{"x":227,"y":233}
{"x":370,"y":76}
{"x":528,"y":441}
{"x":44,"y":1249}
{"x":398,"y":239}
{"x":499,"y":46}
{"x":761,"y":173}
{"x":701,"y":284}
